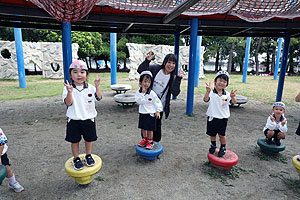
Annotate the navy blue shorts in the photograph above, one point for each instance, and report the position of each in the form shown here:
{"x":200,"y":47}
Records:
{"x":216,"y":126}
{"x":275,"y":133}
{"x":5,"y":160}
{"x":78,"y":128}
{"x":147,"y":122}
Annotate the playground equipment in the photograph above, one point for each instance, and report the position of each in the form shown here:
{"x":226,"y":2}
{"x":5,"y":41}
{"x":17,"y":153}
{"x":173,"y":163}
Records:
{"x":86,"y":175}
{"x":270,"y":148}
{"x":296,"y":163}
{"x":226,"y":162}
{"x":125,"y":99}
{"x":119,"y":88}
{"x":240,"y":100}
{"x":150,"y":154}
{"x":3,"y":173}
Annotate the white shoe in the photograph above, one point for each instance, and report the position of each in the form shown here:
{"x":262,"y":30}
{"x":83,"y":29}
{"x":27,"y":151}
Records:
{"x":16,"y":187}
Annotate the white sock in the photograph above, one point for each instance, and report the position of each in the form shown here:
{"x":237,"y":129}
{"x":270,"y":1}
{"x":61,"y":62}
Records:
{"x":12,"y":179}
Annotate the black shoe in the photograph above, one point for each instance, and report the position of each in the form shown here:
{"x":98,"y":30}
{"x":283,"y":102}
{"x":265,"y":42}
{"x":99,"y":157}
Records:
{"x":212,"y":149}
{"x":78,"y":165}
{"x":277,"y":142}
{"x":268,"y":140}
{"x":89,"y":160}
{"x":222,"y":152}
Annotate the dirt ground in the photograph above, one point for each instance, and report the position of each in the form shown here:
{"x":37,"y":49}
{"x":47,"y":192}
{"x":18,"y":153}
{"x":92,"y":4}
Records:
{"x":37,"y":150}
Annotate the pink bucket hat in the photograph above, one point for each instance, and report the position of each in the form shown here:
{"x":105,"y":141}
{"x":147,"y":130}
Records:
{"x":78,"y":64}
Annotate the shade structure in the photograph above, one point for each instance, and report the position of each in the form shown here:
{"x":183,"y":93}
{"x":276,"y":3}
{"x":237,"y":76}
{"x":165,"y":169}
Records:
{"x":66,"y":10}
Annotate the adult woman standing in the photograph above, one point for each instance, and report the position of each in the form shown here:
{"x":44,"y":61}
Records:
{"x":165,"y":83}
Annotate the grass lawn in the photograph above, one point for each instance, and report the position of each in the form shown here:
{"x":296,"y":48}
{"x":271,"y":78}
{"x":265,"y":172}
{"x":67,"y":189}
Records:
{"x":260,"y":88}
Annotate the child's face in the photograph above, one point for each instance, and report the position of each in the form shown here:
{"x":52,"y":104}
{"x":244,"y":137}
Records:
{"x":220,"y":84}
{"x":78,"y":76}
{"x":278,"y":110}
{"x":146,"y":83}
{"x":170,"y":66}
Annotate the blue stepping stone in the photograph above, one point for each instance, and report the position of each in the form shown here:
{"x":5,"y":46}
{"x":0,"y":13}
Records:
{"x":150,"y":154}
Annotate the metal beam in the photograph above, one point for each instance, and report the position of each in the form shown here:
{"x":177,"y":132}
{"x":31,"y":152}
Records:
{"x":178,"y":10}
{"x":128,"y":27}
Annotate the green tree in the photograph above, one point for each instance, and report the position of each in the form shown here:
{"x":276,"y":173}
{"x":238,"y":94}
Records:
{"x":90,"y":45}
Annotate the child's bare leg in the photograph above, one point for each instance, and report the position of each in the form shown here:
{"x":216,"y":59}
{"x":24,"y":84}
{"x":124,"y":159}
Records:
{"x":150,"y":135}
{"x":270,"y":133}
{"x":75,"y":149}
{"x":9,"y":171}
{"x":88,"y":147}
{"x":144,"y":132}
{"x":281,"y":136}
{"x":222,"y":139}
{"x":213,"y":138}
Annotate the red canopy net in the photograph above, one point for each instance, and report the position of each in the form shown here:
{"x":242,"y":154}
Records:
{"x":66,"y":10}
{"x":249,"y":10}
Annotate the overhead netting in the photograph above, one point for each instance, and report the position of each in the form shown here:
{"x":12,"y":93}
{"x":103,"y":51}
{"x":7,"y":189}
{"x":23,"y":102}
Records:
{"x":249,"y":10}
{"x":66,"y":10}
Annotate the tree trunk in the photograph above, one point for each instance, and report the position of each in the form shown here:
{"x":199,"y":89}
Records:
{"x":291,"y":66}
{"x":268,"y":63}
{"x":229,"y":66}
{"x":217,"y":61}
{"x":273,"y":60}
{"x":86,"y":62}
{"x":256,"y":55}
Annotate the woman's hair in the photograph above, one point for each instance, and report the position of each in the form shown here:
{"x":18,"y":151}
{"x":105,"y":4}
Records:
{"x":224,"y":77}
{"x":142,"y":77}
{"x":170,"y":57}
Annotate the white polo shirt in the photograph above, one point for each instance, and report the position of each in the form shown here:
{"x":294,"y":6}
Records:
{"x":83,"y":102}
{"x":218,"y":105}
{"x":3,"y":141}
{"x":160,"y":82}
{"x":148,"y":103}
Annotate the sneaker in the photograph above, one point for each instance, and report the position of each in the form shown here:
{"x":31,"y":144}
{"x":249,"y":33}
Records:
{"x":89,"y":161}
{"x":212,"y":149}
{"x":277,"y":141}
{"x":78,"y":165}
{"x":16,"y":187}
{"x":143,"y":143}
{"x":222,"y":152}
{"x":268,"y":140}
{"x":150,"y":144}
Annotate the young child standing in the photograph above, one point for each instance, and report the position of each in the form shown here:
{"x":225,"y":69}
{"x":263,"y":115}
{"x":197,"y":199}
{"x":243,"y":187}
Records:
{"x":218,"y":110}
{"x":13,"y":184}
{"x":150,"y":107}
{"x":276,"y":126}
{"x":80,"y":98}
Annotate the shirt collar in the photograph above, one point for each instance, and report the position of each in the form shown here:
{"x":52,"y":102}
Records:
{"x":215,"y":91}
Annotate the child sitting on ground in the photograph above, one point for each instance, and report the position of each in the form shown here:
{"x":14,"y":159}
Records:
{"x":218,"y":110}
{"x":276,"y":126}
{"x":13,"y":184}
{"x":150,"y":107}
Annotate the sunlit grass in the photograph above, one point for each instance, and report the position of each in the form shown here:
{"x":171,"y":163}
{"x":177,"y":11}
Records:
{"x":260,"y":88}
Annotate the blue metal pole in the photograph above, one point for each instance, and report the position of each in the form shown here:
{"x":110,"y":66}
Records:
{"x":197,"y":64}
{"x":176,"y":52}
{"x":67,"y":49}
{"x":113,"y":58}
{"x":278,"y":58}
{"x":20,"y":57}
{"x":192,"y":61}
{"x":283,"y":67}
{"x":246,"y":59}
